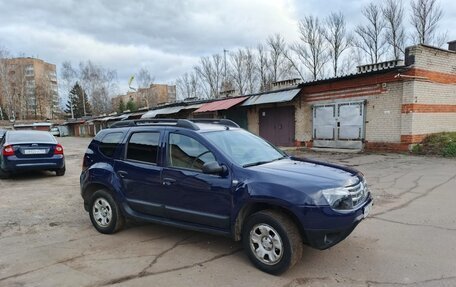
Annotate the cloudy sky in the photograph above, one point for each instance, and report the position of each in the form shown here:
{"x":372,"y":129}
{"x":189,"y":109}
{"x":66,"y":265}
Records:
{"x":167,"y":37}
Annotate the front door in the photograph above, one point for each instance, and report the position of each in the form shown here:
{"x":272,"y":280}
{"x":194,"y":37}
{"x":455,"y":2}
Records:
{"x":339,"y":125}
{"x":193,"y":196}
{"x":277,"y":125}
{"x":141,"y":174}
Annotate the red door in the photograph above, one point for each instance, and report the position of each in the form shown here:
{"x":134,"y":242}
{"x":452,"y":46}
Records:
{"x":277,"y":125}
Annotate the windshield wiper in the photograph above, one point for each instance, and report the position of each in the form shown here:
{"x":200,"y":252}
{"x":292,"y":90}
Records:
{"x":257,"y":163}
{"x":262,"y":162}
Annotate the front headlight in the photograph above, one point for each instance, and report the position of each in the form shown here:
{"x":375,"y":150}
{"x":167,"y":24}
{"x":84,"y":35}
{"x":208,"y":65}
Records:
{"x":338,"y":198}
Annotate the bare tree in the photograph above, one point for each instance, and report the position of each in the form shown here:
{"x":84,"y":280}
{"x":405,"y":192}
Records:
{"x":311,"y":50}
{"x":294,"y":59}
{"x":393,"y":12}
{"x":144,"y":78}
{"x":43,"y":96}
{"x":250,"y":71}
{"x":238,"y":70}
{"x":68,"y":75}
{"x":99,"y":83}
{"x":279,"y":66}
{"x":370,"y":36}
{"x":6,"y":99}
{"x":426,"y":15}
{"x":188,"y":86}
{"x":263,"y":64}
{"x":210,"y":71}
{"x":337,"y":37}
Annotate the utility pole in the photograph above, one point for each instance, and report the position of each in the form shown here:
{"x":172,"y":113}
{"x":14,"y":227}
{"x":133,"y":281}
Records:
{"x":224,"y":57}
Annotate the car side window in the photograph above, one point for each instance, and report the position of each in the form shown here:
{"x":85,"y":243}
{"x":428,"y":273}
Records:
{"x":186,"y":152}
{"x":143,"y":146}
{"x":109,"y":142}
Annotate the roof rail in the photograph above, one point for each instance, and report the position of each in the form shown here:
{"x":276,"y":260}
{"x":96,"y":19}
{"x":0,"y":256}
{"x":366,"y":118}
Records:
{"x":225,"y":122}
{"x":183,"y":123}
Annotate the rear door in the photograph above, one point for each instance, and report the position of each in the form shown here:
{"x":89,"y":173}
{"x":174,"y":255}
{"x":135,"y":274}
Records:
{"x":140,"y":171}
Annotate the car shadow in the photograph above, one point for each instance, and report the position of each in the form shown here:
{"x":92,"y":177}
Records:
{"x":31,"y":175}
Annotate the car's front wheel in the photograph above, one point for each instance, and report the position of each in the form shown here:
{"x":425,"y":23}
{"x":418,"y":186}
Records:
{"x":272,"y":241}
{"x":105,"y":213}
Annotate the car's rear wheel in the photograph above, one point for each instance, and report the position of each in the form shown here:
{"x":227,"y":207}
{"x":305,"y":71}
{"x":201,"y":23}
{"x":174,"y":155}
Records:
{"x":4,"y":174}
{"x":105,"y":213}
{"x":60,"y":171}
{"x":272,"y":241}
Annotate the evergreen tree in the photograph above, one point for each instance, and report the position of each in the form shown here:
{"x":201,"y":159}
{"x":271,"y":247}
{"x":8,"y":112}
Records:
{"x":76,"y":98}
{"x":121,"y":106}
{"x":131,"y":105}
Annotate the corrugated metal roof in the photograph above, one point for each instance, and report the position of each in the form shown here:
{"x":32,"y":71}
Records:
{"x":168,"y":111}
{"x":220,"y":105}
{"x":272,"y":97}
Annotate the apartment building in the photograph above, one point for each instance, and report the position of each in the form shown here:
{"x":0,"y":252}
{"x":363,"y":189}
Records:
{"x":28,"y":88}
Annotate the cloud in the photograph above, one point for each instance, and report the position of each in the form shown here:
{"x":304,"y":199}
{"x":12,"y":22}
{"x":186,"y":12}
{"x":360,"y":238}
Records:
{"x":168,"y":37}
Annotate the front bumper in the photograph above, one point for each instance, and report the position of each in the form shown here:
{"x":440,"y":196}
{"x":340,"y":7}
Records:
{"x":328,"y":227}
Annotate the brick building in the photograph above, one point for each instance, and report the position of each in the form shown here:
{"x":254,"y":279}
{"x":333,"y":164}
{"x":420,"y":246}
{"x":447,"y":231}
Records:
{"x":28,"y":88}
{"x":150,"y":97}
{"x":388,"y":105}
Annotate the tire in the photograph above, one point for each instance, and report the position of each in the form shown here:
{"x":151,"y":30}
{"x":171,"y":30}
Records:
{"x":108,"y":220}
{"x":60,"y":171}
{"x":278,"y":244}
{"x":4,"y":174}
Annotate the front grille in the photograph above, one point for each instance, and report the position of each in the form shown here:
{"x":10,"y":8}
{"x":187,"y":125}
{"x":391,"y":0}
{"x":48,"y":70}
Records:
{"x":358,"y":192}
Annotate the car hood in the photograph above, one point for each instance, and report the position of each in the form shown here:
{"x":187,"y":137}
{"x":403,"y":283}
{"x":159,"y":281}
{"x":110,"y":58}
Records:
{"x":308,"y":172}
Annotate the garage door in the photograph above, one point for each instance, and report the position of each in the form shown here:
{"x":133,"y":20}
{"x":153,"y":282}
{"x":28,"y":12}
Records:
{"x":339,"y":125}
{"x":277,"y":125}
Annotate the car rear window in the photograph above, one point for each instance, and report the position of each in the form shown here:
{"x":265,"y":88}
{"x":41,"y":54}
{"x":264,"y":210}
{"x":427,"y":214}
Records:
{"x":143,"y":146}
{"x":30,"y":137}
{"x":109,"y":142}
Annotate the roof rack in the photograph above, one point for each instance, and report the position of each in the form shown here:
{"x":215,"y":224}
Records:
{"x":225,"y":122}
{"x":158,"y":122}
{"x":183,"y":123}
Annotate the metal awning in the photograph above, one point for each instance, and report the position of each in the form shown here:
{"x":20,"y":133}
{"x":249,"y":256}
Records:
{"x":132,"y":115}
{"x":220,"y":105}
{"x":168,"y":111}
{"x":272,"y":97}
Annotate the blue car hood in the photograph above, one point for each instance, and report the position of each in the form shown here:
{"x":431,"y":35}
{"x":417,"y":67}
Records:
{"x":307,"y":172}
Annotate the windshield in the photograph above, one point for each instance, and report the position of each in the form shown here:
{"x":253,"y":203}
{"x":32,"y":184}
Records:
{"x":244,"y":148}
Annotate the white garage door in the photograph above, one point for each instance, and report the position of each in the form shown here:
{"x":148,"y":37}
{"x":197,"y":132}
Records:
{"x":338,"y":125}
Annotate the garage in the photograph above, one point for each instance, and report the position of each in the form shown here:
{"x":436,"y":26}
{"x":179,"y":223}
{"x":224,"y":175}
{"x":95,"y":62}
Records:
{"x":277,"y":125}
{"x":339,"y":125}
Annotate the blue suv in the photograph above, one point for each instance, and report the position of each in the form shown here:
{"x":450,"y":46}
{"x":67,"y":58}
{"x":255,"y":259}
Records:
{"x":212,"y":176}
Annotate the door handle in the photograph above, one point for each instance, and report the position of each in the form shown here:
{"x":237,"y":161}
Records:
{"x":168,"y":181}
{"x":122,"y":173}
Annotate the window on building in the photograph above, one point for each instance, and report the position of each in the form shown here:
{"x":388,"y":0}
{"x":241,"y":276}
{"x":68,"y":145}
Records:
{"x":143,"y":146}
{"x":186,"y":152}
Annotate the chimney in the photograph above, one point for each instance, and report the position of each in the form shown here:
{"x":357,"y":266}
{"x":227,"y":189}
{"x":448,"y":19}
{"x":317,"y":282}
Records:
{"x":452,"y":46}
{"x":379,"y":66}
{"x":286,"y":84}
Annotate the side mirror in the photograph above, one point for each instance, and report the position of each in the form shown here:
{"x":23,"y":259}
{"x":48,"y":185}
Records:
{"x":214,"y":168}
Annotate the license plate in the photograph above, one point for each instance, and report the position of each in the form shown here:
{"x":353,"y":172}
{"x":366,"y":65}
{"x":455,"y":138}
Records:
{"x":34,"y":151}
{"x":367,"y":209}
